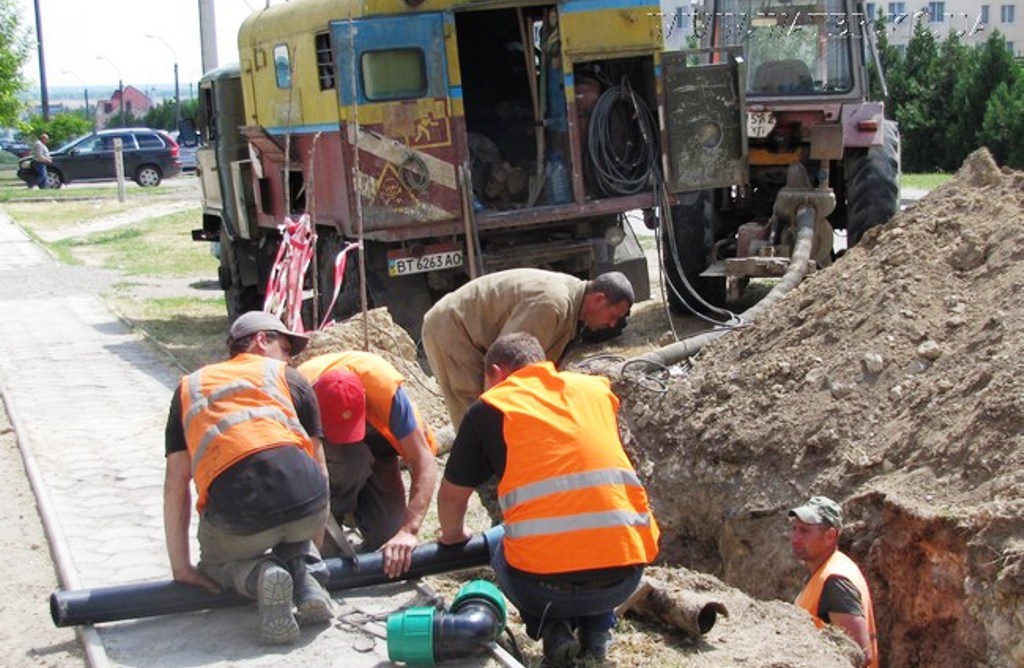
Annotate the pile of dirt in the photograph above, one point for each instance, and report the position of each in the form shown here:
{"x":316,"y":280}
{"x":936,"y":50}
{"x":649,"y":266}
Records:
{"x":892,"y":382}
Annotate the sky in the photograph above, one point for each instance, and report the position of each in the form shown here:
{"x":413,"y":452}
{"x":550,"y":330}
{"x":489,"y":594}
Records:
{"x":77,"y":34}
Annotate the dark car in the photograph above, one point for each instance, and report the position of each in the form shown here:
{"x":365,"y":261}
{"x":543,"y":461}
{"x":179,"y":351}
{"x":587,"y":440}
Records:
{"x":149,"y":157}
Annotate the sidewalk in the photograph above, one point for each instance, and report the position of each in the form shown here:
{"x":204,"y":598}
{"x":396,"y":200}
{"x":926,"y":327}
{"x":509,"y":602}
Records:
{"x":92,"y":400}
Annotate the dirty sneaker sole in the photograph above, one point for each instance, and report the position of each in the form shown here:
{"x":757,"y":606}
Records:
{"x":277,"y":623}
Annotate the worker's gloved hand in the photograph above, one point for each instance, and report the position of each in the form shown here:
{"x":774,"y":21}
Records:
{"x":398,"y":553}
{"x":194,"y":576}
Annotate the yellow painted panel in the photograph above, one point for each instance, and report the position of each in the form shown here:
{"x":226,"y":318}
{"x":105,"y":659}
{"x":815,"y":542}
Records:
{"x":612,"y":30}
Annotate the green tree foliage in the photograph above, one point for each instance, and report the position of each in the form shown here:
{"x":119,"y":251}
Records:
{"x":162,"y":115}
{"x":1003,"y":126}
{"x":943,"y":94}
{"x":14,"y":45}
{"x":62,"y":128}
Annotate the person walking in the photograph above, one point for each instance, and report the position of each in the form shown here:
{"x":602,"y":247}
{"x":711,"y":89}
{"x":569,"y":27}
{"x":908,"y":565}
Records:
{"x":369,"y":422}
{"x":247,"y":431}
{"x":40,"y":159}
{"x":578,"y":528}
{"x":836,"y":592}
{"x":552,"y":306}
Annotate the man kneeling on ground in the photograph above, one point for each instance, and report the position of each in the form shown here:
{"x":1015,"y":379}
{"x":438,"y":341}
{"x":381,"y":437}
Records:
{"x":248,"y":431}
{"x":578,"y":529}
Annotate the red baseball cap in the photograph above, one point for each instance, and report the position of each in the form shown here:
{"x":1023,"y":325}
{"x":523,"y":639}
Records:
{"x":342,"y":400}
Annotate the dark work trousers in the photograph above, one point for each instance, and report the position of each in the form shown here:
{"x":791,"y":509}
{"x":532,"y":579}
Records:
{"x":366,"y":481}
{"x":588,"y":608}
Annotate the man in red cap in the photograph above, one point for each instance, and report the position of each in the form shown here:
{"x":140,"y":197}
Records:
{"x":368,"y":423}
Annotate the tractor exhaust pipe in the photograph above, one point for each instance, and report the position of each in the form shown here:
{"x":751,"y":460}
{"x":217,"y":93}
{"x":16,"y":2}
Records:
{"x":150,"y":599}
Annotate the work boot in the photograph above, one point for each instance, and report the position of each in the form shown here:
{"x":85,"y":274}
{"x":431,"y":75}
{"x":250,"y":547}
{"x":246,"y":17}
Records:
{"x":560,"y":645}
{"x":313,"y":603}
{"x":274,"y":596}
{"x":595,"y":645}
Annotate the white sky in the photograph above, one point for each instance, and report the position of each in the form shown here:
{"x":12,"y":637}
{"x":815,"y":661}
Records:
{"x":76,"y":32}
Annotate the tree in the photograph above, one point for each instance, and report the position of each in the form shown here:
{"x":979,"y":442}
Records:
{"x":911,"y":93}
{"x":61,"y":128}
{"x":991,"y":66}
{"x":1004,"y":123}
{"x":14,"y":47}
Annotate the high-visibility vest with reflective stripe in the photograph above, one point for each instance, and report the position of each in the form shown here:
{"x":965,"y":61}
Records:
{"x":233,"y":409}
{"x":380,"y":380}
{"x":839,"y":564}
{"x":570,"y":497}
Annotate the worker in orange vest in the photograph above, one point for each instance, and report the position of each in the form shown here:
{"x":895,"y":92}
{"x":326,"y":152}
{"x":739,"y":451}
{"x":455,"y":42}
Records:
{"x":369,"y":422}
{"x":578,"y":529}
{"x":247,"y":431}
{"x":836,"y":592}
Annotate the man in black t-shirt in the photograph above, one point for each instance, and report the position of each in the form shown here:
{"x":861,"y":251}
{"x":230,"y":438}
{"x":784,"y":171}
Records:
{"x":247,"y":431}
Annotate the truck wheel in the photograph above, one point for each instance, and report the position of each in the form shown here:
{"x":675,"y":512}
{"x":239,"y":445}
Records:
{"x":693,"y":232}
{"x":328,"y":246}
{"x":873,"y":185}
{"x":239,"y":298}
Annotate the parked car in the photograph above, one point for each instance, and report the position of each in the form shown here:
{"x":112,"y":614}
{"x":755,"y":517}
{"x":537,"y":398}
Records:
{"x":188,"y":145}
{"x":149,"y":157}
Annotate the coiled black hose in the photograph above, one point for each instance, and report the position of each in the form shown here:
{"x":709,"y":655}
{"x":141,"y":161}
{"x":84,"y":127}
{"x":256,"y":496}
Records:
{"x":621,"y":142}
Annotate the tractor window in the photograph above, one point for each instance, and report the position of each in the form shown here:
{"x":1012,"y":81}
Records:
{"x":282,"y":66}
{"x":394,"y":74}
{"x":791,"y":48}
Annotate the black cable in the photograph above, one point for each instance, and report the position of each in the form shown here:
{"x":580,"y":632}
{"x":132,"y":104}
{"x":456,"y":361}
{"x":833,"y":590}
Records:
{"x":621,"y":142}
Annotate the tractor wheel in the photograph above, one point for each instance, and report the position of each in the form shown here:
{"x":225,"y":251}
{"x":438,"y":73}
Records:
{"x":873,"y":185}
{"x":693,"y":227}
{"x":330,"y":243}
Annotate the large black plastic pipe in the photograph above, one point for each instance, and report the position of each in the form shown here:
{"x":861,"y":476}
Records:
{"x":149,"y":599}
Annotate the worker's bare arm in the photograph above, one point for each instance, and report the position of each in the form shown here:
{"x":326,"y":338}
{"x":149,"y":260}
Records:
{"x":452,"y":501}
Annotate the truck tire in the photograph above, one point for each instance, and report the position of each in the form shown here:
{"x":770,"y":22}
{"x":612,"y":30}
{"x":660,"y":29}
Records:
{"x":873,"y":185}
{"x":239,"y":298}
{"x":693,"y":223}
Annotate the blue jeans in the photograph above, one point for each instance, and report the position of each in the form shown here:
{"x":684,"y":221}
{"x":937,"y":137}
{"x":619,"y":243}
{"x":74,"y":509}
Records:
{"x":538,"y":602}
{"x":40,"y":174}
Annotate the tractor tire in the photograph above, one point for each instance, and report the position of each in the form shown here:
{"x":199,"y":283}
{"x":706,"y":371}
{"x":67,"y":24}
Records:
{"x":693,"y":230}
{"x":329,"y":244}
{"x":873,"y":185}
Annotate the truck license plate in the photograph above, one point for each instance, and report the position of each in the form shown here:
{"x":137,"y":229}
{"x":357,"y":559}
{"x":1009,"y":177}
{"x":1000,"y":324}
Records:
{"x":760,"y":123}
{"x":433,"y":258}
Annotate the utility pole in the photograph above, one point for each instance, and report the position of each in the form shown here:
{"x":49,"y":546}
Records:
{"x":208,"y":35}
{"x":177,"y":92}
{"x":43,"y":93}
{"x":86,"y":89}
{"x":120,"y":83}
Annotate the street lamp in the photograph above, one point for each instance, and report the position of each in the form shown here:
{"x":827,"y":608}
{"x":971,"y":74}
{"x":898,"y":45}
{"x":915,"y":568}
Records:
{"x":120,"y":84}
{"x":177,"y":93}
{"x":85,"y":87}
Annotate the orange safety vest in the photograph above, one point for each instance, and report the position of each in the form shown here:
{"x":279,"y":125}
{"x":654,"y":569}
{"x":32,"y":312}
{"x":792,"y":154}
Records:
{"x":233,"y":409}
{"x":380,"y":381}
{"x":569,"y":494}
{"x":839,"y":564}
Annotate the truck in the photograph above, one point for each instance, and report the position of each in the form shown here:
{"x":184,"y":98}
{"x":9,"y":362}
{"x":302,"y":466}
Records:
{"x":808,"y":106}
{"x":444,"y":139}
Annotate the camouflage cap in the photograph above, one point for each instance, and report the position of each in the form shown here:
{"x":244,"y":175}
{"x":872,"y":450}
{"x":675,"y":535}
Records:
{"x":819,"y":510}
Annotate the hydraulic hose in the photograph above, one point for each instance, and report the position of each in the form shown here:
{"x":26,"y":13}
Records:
{"x":806,"y":217}
{"x":149,"y":599}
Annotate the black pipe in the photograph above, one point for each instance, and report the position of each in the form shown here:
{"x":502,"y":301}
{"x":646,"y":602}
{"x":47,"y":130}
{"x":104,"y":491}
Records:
{"x":467,"y":631}
{"x":149,"y":599}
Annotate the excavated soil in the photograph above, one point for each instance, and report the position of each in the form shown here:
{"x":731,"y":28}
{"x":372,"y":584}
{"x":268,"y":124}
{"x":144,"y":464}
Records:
{"x":892,"y":382}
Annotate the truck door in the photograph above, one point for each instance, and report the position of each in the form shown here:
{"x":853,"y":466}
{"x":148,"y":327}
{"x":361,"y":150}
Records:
{"x":396,"y":119}
{"x":706,"y":112}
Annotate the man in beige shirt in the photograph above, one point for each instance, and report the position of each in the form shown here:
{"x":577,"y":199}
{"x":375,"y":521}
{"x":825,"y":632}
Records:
{"x":552,"y":306}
